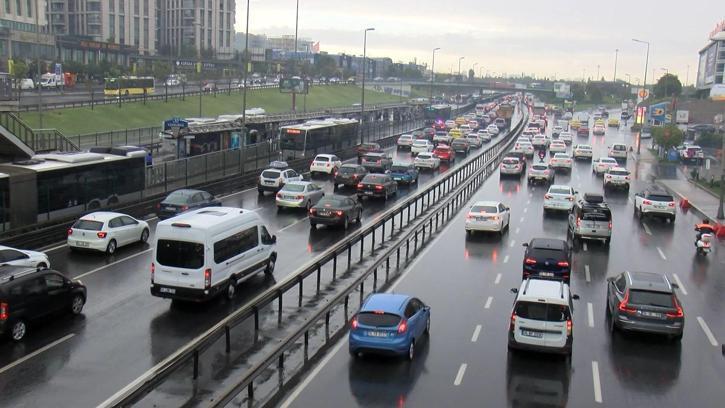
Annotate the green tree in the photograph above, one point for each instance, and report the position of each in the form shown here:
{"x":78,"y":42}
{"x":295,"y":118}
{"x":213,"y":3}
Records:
{"x":595,"y":94}
{"x":20,"y":69}
{"x":471,"y":74}
{"x":667,"y":86}
{"x":667,"y":136}
{"x":326,"y":66}
{"x":161,"y":70}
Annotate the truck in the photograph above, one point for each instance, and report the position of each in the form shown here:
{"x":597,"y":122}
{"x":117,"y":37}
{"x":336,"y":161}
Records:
{"x":505,"y":111}
{"x":539,"y":108}
{"x":51,"y":81}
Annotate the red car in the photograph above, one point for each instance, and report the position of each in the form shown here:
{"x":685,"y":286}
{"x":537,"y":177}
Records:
{"x":445,"y":153}
{"x":583,"y":130}
{"x":365,"y":148}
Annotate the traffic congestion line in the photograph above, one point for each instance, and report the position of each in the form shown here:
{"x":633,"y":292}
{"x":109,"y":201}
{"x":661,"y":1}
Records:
{"x":36,"y":352}
{"x":707,"y":331}
{"x":476,"y":332}
{"x":596,"y":382}
{"x":679,"y":283}
{"x":461,"y":373}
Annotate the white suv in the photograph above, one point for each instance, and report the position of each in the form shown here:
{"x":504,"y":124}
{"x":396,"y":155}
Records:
{"x":602,"y":164}
{"x":656,"y":202}
{"x":618,"y":151}
{"x":405,"y":141}
{"x":542,"y":317}
{"x":616,"y":177}
{"x":325,"y":163}
{"x":275,"y":177}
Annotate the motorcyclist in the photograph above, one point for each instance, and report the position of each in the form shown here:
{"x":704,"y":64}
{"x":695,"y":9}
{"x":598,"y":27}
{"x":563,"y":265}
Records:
{"x":704,"y":228}
{"x":542,"y":154}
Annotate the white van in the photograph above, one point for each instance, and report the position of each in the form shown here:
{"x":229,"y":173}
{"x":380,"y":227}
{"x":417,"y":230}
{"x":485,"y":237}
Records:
{"x":202,"y":253}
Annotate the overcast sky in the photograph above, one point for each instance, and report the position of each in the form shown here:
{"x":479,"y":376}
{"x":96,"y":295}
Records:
{"x":562,"y":38}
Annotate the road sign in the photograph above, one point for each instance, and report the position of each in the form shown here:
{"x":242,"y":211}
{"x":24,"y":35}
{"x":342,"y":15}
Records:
{"x":718,"y":119}
{"x":643,"y":93}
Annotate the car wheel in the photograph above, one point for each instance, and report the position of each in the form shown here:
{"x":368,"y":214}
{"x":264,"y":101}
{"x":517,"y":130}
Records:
{"x":607,"y":242}
{"x":41,"y":266}
{"x":271,"y":263}
{"x":18,"y":330}
{"x":111,"y":248}
{"x":612,"y":325}
{"x":313,"y":225}
{"x":76,"y":305}
{"x":145,"y":235}
{"x":411,"y":350}
{"x":641,"y":214}
{"x":231,"y":288}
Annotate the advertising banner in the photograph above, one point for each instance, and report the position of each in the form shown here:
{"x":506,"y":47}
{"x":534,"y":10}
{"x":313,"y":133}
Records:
{"x":293,"y":85}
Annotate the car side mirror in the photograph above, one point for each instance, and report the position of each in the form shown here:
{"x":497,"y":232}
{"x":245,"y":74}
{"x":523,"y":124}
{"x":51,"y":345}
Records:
{"x":514,"y":290}
{"x":274,"y":239}
{"x":525,"y":244}
{"x":575,"y":297}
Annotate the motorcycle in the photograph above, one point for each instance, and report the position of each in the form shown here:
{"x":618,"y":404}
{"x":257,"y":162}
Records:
{"x":702,"y":244}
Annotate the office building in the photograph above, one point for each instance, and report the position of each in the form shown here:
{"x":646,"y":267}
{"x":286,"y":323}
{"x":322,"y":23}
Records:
{"x":198,"y":25}
{"x":19,"y":35}
{"x":711,"y":67}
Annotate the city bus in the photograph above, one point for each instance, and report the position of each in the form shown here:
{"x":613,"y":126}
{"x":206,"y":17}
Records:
{"x":318,"y":136}
{"x":437,"y":113}
{"x":125,"y":86}
{"x":62,"y":185}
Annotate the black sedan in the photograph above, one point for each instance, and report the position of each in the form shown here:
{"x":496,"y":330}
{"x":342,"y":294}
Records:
{"x":335,"y":210}
{"x":377,"y":185}
{"x":349,"y":175}
{"x":184,"y":200}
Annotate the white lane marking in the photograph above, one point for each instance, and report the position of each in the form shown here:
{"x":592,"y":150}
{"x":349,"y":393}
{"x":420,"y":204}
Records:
{"x":662,"y":254}
{"x":528,"y":202}
{"x":679,"y":283}
{"x":517,"y":230}
{"x":505,"y":259}
{"x":707,"y":331}
{"x":35,"y":353}
{"x":585,"y":246}
{"x":597,"y":384}
{"x":488,"y":302}
{"x":459,"y":376}
{"x":92,"y":271}
{"x":646,"y":228}
{"x":476,"y":332}
{"x":292,"y":225}
{"x":513,"y":242}
{"x":587,"y":274}
{"x":590,"y":313}
{"x":237,"y":193}
{"x":526,"y":209}
{"x":498,"y":279}
{"x":521,"y":219}
{"x":55,"y":248}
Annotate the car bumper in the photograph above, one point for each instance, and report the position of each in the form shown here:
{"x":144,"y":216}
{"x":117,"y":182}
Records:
{"x":186,"y":294}
{"x":617,"y":184}
{"x":364,"y":344}
{"x":484,"y":226}
{"x":583,"y":157}
{"x":346,"y":182}
{"x":403,"y":179}
{"x":659,"y":212}
{"x":268,"y":187}
{"x":375,"y":169}
{"x":556,"y":205}
{"x":529,"y":271}
{"x":291,"y":204}
{"x":561,"y":166}
{"x":327,"y":220}
{"x":95,"y":245}
{"x":535,"y":179}
{"x":566,"y":350}
{"x":511,"y":171}
{"x":403,"y":146}
{"x":425,"y":165}
{"x":369,"y":193}
{"x":674,"y":328}
{"x":319,"y":169}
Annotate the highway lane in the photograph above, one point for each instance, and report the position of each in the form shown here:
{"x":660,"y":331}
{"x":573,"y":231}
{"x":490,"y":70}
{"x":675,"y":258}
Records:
{"x":124,"y":330}
{"x":465,"y":361}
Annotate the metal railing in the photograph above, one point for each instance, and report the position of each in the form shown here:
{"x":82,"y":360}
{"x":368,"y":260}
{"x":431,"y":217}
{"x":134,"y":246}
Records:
{"x":436,"y":202}
{"x":39,"y":140}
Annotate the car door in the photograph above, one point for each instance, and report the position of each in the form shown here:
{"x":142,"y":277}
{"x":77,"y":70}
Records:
{"x":267,"y":242}
{"x":616,"y":293}
{"x":14,"y":257}
{"x":34,"y":292}
{"x":132,"y":228}
{"x":413,"y":319}
{"x":117,"y":231}
{"x":58,"y":295}
{"x":421,"y":312}
{"x":505,"y":213}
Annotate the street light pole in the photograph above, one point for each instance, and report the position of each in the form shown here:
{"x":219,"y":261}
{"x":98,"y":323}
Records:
{"x":459,"y":67}
{"x":432,"y":75}
{"x":245,"y":58}
{"x":294,"y":55}
{"x":37,"y":61}
{"x":720,"y":214}
{"x":616,"y":56}
{"x":362,"y":97}
{"x":644,"y":86}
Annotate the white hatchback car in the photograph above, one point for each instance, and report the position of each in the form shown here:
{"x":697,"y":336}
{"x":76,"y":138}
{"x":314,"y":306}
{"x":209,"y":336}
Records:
{"x":106,"y":231}
{"x":492,"y":130}
{"x":421,"y":146}
{"x":557,"y":146}
{"x":23,"y":257}
{"x":325,"y":163}
{"x":582,"y":152}
{"x":524,"y":147}
{"x":559,"y":198}
{"x":603,"y":164}
{"x":488,"y":216}
{"x":405,"y":141}
{"x":427,"y":160}
{"x":618,"y":151}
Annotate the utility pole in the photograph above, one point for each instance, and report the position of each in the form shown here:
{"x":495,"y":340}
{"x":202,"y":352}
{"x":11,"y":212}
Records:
{"x":597,"y":78}
{"x":644,"y":86}
{"x":616,"y":55}
{"x":432,"y":75}
{"x":294,"y":55}
{"x":37,"y":61}
{"x":459,"y":67}
{"x":245,"y":58}
{"x":362,"y":96}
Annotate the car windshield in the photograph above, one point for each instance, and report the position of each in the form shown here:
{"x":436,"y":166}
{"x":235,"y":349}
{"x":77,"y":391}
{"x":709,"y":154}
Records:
{"x":561,"y":156}
{"x":608,"y":161}
{"x":661,"y":197}
{"x":619,"y":147}
{"x":484,"y":209}
{"x":596,"y":214}
{"x":406,"y":137}
{"x":295,"y":188}
{"x":539,"y":167}
{"x":177,"y":197}
{"x":374,"y":178}
{"x":180,"y":254}
{"x":542,"y":311}
{"x":510,"y":161}
{"x":270,"y":174}
{"x":619,"y":172}
{"x":347,"y":170}
{"x":651,"y":298}
{"x":424,"y":156}
{"x":421,"y":143}
{"x":559,"y":190}
{"x":377,"y":319}
{"x":330,"y":202}
{"x":88,"y":225}
{"x":399,"y":168}
{"x":322,"y":159}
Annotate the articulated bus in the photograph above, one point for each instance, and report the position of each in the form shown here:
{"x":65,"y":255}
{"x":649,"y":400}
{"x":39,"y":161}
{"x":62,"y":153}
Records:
{"x":317,"y":136}
{"x":61,"y":185}
{"x":125,"y":86}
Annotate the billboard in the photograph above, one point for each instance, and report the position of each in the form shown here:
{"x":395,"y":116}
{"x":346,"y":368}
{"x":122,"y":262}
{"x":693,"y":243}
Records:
{"x":295,"y":85}
{"x":710,"y":63}
{"x":562,"y":90}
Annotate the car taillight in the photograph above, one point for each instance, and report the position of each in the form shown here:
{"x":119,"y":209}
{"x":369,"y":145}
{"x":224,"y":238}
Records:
{"x":626,"y":178}
{"x":548,"y":196}
{"x":563,"y":264}
{"x":158,"y":205}
{"x":671,"y":315}
{"x":360,"y":185}
{"x":646,"y":202}
{"x":624,"y":305}
{"x":610,"y":224}
{"x":470,"y":216}
{"x":153,"y":271}
{"x":339,"y":213}
{"x":353,"y":323}
{"x":530,"y":261}
{"x":671,"y":204}
{"x":512,"y":325}
{"x":279,"y":195}
{"x":327,"y":165}
{"x":403,"y":327}
{"x":70,"y":231}
{"x":184,"y":207}
{"x":495,"y":218}
{"x":608,"y":176}
{"x":378,"y":187}
{"x":207,"y":278}
{"x":568,"y":327}
{"x":300,"y":197}
{"x":546,"y":172}
{"x":570,"y":198}
{"x":3,"y":311}
{"x":313,"y":211}
{"x":101,"y":234}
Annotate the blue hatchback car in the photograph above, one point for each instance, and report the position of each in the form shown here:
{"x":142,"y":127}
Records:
{"x":389,"y":324}
{"x":404,"y":173}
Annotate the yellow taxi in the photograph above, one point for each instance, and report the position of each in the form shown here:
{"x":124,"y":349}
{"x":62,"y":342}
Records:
{"x":460,"y":121}
{"x":599,"y":122}
{"x":455,"y":133}
{"x":575,"y":124}
{"x":613,"y":122}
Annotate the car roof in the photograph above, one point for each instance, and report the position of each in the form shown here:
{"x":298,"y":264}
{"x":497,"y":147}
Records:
{"x":649,"y":281}
{"x":375,"y":154}
{"x":486,"y":203}
{"x":547,"y":243}
{"x":101,"y":216}
{"x":301,"y":183}
{"x":584,"y":146}
{"x":186,"y":191}
{"x":325,"y":155}
{"x":387,"y":302}
{"x":544,"y":291}
{"x":8,"y":272}
{"x":565,"y":155}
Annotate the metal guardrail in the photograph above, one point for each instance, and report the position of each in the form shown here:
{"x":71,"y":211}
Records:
{"x":188,"y":357}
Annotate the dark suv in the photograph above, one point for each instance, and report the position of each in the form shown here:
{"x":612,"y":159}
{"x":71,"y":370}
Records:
{"x":547,"y":258}
{"x":644,"y":302}
{"x":27,"y":294}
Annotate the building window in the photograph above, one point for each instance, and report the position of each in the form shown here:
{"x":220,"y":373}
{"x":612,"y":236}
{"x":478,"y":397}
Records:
{"x":121,"y":29}
{"x":112,"y":5}
{"x":146,"y":34}
{"x":146,"y":8}
{"x":18,"y":8}
{"x":7,"y":6}
{"x":136,"y":8}
{"x":136,"y":29}
{"x":209,"y":19}
{"x":229,"y":36}
{"x":30,"y":8}
{"x":121,"y":7}
{"x":112,"y":27}
{"x":221,"y":39}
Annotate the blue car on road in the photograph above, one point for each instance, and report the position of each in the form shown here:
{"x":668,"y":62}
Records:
{"x":404,"y":173}
{"x":389,"y":324}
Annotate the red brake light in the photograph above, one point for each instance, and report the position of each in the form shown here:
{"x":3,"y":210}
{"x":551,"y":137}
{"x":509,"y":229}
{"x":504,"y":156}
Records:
{"x":678,"y":313}
{"x":158,"y":205}
{"x":403,"y":327}
{"x":339,"y":213}
{"x":70,"y":231}
{"x":530,"y":261}
{"x":279,"y":195}
{"x":563,"y":264}
{"x":610,"y":224}
{"x":578,"y":222}
{"x":313,"y":211}
{"x":300,"y":197}
{"x":3,"y":311}
{"x":513,"y":321}
{"x":207,"y":278}
{"x":353,"y":323}
{"x":568,"y":327}
{"x":184,"y":207}
{"x":624,"y":304}
{"x":101,"y":234}
{"x":671,"y":204}
{"x":153,"y":271}
{"x":378,"y":187}
{"x":548,"y":196}
{"x":570,"y":198}
{"x":646,"y":202}
{"x":359,"y":185}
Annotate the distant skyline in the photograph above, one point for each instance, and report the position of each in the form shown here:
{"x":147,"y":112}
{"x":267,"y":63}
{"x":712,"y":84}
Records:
{"x":565,"y":39}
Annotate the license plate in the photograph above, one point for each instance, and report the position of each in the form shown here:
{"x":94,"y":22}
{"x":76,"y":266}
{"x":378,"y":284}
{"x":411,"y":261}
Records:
{"x":268,"y":182}
{"x":660,"y":206}
{"x":368,"y":193}
{"x":169,"y":209}
{"x":529,"y":333}
{"x":377,"y":334}
{"x":549,"y":274}
{"x":167,"y":290}
{"x":397,"y":178}
{"x":82,"y":244}
{"x":651,"y":314}
{"x":324,"y":213}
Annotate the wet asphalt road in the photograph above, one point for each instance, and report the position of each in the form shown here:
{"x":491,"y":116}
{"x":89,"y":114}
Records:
{"x":124,"y":331}
{"x":465,"y":363}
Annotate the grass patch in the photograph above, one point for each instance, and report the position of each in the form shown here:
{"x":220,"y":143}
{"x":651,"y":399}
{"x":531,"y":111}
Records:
{"x":73,"y":121}
{"x":714,"y":187}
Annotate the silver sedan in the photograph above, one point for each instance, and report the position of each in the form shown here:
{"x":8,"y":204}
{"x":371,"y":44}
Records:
{"x":299,"y":194}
